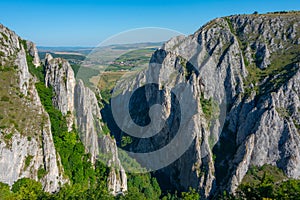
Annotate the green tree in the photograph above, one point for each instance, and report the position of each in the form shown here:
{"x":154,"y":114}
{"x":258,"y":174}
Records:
{"x":192,"y":194}
{"x":288,"y":190}
{"x":5,"y":193}
{"x":142,"y":186}
{"x":26,"y":188}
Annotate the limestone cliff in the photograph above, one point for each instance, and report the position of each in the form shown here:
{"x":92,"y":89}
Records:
{"x":33,"y":52}
{"x":244,"y":71}
{"x":88,"y":118}
{"x":80,"y":105}
{"x":26,"y":143}
{"x":60,"y":76}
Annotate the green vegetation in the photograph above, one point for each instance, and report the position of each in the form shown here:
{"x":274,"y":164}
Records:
{"x":4,"y":36}
{"x":41,"y":172}
{"x":141,"y":186}
{"x":284,"y":113}
{"x":282,"y":65}
{"x":190,"y":195}
{"x":209,"y":107}
{"x":28,"y":161}
{"x":36,"y":71}
{"x":86,"y":73}
{"x":5,"y":192}
{"x":27,"y":189}
{"x":232,"y":30}
{"x":107,"y":82}
{"x":15,"y":109}
{"x":75,"y":69}
{"x":8,"y":136}
{"x":105,"y":129}
{"x":69,"y":56}
{"x":5,"y":69}
{"x":132,"y":59}
{"x":86,"y":182}
{"x":76,"y":163}
{"x":255,"y":174}
{"x":290,"y":12}
{"x":188,"y":68}
{"x":106,"y":95}
{"x":72,"y":57}
{"x":129,"y":163}
{"x":268,"y":182}
{"x":272,"y":77}
{"x":126,"y":140}
{"x":4,"y":98}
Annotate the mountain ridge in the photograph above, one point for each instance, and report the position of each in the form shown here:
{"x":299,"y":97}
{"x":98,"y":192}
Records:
{"x":236,"y":62}
{"x":243,"y":70}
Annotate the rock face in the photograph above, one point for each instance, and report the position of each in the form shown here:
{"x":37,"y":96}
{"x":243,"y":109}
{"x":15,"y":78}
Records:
{"x":26,"y":143}
{"x":88,"y":118}
{"x":80,"y":105}
{"x":117,"y":179}
{"x":32,"y":50}
{"x":88,"y":121}
{"x":247,"y":67}
{"x":60,"y":76}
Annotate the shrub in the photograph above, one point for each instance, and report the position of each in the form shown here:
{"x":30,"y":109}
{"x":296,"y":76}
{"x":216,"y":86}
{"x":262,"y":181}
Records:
{"x":28,"y":161}
{"x":8,"y":136}
{"x":4,"y":98}
{"x":41,"y":172}
{"x":26,"y":188}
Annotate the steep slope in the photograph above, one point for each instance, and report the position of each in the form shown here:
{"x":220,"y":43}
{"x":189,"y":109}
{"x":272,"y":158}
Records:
{"x":26,"y":144}
{"x":80,"y":106}
{"x":244,"y":72}
{"x":60,"y":76}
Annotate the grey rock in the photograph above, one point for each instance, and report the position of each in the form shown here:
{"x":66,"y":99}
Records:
{"x":117,"y":179}
{"x":87,"y":118}
{"x":89,"y":125}
{"x":26,"y":151}
{"x":257,"y":127}
{"x":60,"y":76}
{"x":32,"y":50}
{"x":80,"y":105}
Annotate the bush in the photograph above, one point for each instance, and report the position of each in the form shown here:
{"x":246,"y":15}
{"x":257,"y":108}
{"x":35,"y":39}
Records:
{"x":38,"y":72}
{"x":41,"y":173}
{"x":5,"y":192}
{"x":268,"y":182}
{"x":26,"y":188}
{"x":142,"y":186}
{"x":28,"y":161}
{"x":75,"y":161}
{"x":4,"y":98}
{"x":8,"y":136}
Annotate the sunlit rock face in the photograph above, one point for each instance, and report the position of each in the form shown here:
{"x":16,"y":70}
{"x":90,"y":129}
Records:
{"x":248,"y":65}
{"x":80,"y":106}
{"x":26,"y":143}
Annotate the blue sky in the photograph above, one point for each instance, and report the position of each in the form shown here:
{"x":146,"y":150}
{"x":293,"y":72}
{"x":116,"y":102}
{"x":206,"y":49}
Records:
{"x":88,"y":22}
